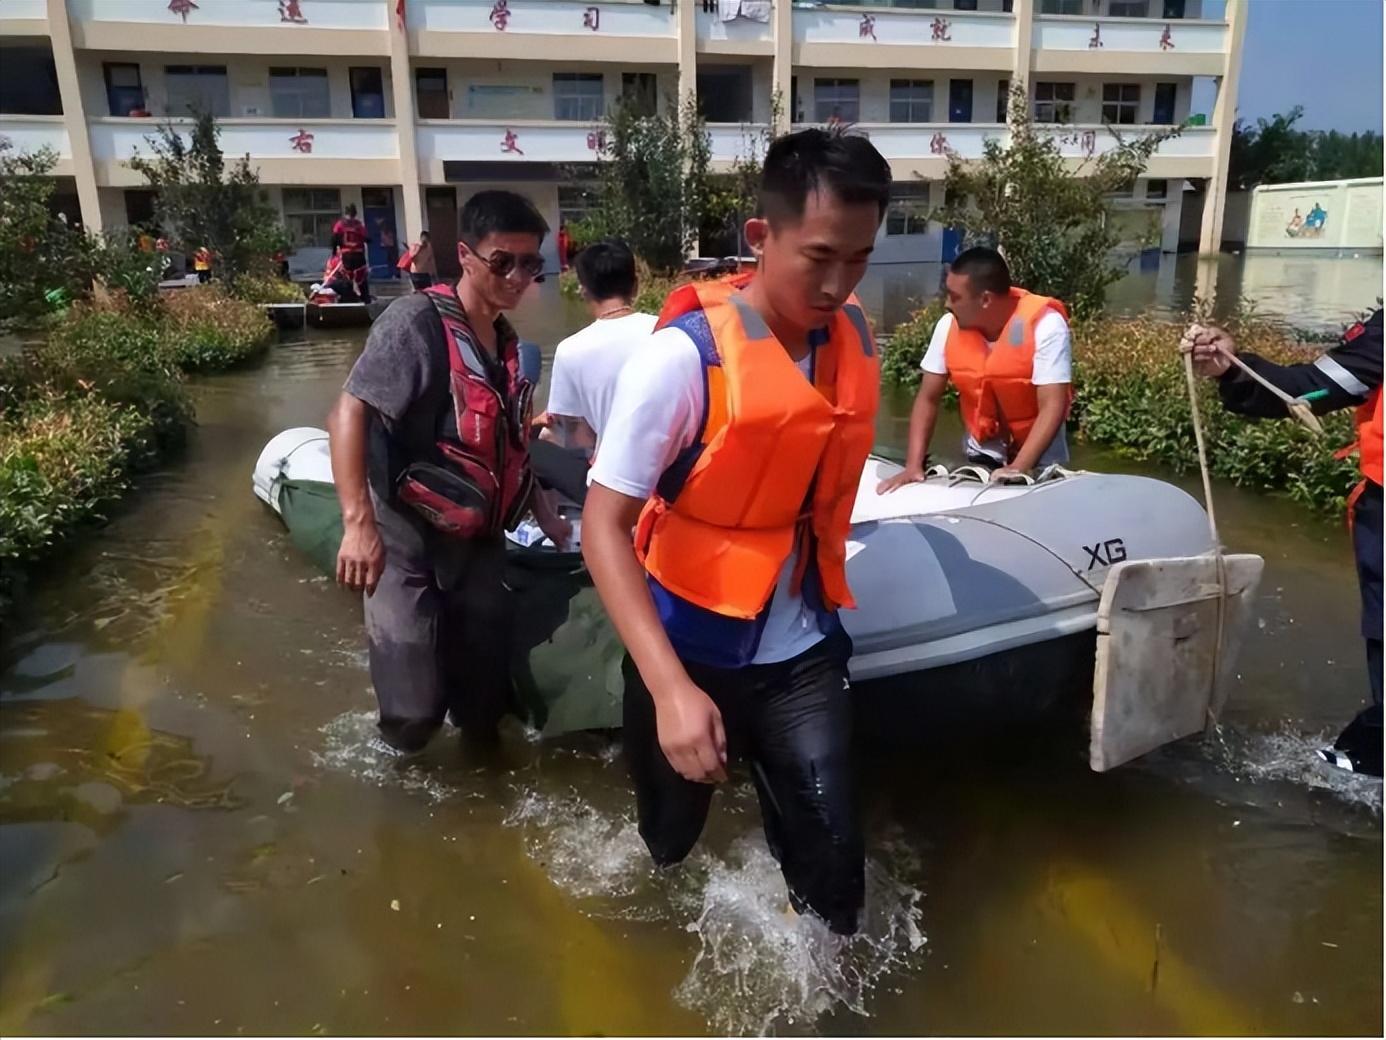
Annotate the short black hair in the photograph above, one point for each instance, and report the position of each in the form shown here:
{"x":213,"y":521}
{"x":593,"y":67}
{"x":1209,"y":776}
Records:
{"x":606,"y":269}
{"x":351,"y":209}
{"x":845,"y":164}
{"x":499,"y":212}
{"x":985,"y":268}
{"x":423,"y":236}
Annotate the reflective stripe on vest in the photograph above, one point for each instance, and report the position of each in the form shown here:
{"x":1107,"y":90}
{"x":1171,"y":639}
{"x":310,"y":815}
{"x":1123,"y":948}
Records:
{"x":778,"y":459}
{"x":996,"y":392}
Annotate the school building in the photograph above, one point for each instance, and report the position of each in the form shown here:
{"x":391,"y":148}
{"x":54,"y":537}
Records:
{"x":407,"y":107}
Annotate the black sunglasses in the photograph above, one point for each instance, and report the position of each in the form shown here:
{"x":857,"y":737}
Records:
{"x":502,"y":262}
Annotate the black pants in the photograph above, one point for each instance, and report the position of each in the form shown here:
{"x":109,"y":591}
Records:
{"x":1363,"y":735}
{"x":793,"y":722}
{"x":438,"y":628}
{"x":359,"y":272}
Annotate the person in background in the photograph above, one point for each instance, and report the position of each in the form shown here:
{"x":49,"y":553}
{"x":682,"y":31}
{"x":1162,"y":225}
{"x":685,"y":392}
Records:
{"x":390,"y":245}
{"x":564,"y":244}
{"x":349,"y":242}
{"x":423,"y":269}
{"x":1348,"y":376}
{"x":430,"y":456}
{"x":1009,"y":353}
{"x":202,"y":264}
{"x":587,"y":364}
{"x":733,"y":449}
{"x":336,"y":285}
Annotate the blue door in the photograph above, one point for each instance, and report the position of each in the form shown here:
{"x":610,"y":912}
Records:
{"x":952,"y":244}
{"x":382,"y":233}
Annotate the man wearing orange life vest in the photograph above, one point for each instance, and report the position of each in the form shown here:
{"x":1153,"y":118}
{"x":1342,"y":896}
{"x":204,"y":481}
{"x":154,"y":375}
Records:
{"x":1348,"y":376}
{"x":1008,"y":353}
{"x":733,"y":447}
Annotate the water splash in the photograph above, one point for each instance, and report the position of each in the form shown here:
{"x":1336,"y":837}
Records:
{"x":585,"y":851}
{"x":347,"y":748}
{"x":761,"y":968}
{"x":1288,"y":755}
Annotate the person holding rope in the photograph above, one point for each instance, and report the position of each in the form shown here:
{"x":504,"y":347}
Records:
{"x":1348,"y":376}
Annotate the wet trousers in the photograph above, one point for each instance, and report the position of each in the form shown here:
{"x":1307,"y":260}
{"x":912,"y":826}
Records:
{"x":1363,"y":735}
{"x":438,"y":631}
{"x":792,"y":721}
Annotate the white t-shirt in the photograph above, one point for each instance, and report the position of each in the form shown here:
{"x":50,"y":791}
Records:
{"x":1053,"y":364}
{"x":657,"y":412}
{"x":587,"y":364}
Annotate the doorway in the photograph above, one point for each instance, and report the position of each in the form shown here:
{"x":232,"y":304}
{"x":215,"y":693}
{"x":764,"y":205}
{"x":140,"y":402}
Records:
{"x":441,"y":205}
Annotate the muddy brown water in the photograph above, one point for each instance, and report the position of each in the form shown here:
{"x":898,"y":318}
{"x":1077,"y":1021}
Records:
{"x":195,"y":838}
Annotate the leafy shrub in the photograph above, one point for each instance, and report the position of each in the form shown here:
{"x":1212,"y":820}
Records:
{"x":205,"y":329}
{"x":904,"y":348}
{"x":266,"y":289}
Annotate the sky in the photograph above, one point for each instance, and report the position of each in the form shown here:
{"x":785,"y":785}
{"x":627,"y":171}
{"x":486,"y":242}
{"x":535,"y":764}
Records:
{"x":1323,"y":54}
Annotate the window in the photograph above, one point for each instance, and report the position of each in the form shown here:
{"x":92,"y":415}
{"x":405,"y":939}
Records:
{"x":911,"y":101}
{"x":309,"y":214}
{"x":964,"y":5}
{"x":1128,"y":8}
{"x":578,"y":96}
{"x":908,"y":211}
{"x":960,"y":101}
{"x":431,"y":93}
{"x":1003,"y":100}
{"x":299,"y":93}
{"x":724,"y":93}
{"x":1054,"y":102}
{"x":1165,"y":93}
{"x":836,"y":100}
{"x":29,"y":82}
{"x":1120,"y":102}
{"x":197,"y":88}
{"x":1174,"y":9}
{"x":367,"y":92}
{"x":1157,"y":188}
{"x":575,"y":201}
{"x":640,"y":90}
{"x":139,"y":208}
{"x":1061,"y":7}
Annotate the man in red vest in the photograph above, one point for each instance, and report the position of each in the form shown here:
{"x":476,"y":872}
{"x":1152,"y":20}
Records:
{"x":734,"y":445}
{"x":1348,"y":376}
{"x":1008,"y":352}
{"x":349,"y":240}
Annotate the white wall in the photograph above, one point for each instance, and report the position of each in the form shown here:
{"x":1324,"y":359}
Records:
{"x":875,"y":91}
{"x":525,"y":88}
{"x":1088,"y":94}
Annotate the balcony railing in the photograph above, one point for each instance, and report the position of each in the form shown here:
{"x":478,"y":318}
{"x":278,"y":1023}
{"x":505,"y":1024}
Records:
{"x":29,"y":10}
{"x":120,"y":139}
{"x":1144,"y":35}
{"x":743,"y":33}
{"x":735,"y":141}
{"x":29,"y":134}
{"x":934,"y":28}
{"x":520,"y":140}
{"x":241,"y":14}
{"x":580,"y":18}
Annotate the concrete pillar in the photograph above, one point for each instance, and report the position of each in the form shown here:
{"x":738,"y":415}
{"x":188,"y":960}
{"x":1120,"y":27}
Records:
{"x":688,"y":50}
{"x":1224,"y":116}
{"x":402,"y":82}
{"x":1024,"y":14}
{"x":1170,"y":217}
{"x":74,"y":115}
{"x":782,"y":64}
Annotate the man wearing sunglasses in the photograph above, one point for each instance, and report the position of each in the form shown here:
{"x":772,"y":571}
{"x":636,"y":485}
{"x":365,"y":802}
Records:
{"x":429,"y":444}
{"x":733,"y":448}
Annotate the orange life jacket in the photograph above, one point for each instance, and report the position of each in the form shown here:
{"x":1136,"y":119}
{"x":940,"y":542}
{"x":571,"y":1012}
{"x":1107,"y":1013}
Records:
{"x":775,"y":468}
{"x":996,"y":394}
{"x":1369,"y":437}
{"x":353,"y":234}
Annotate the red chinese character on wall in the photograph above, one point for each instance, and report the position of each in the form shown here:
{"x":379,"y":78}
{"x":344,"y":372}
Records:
{"x":511,"y":142}
{"x":500,"y":14}
{"x":596,"y":140}
{"x":292,"y":11}
{"x":592,"y":18}
{"x":938,"y":144}
{"x":939,"y":30}
{"x":1166,"y":39}
{"x":302,"y":141}
{"x":399,"y":14}
{"x":182,"y":7}
{"x":867,"y":27}
{"x":1095,"y":40}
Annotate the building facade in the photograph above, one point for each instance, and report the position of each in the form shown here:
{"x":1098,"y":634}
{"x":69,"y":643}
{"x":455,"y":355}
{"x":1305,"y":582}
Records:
{"x":407,"y":107}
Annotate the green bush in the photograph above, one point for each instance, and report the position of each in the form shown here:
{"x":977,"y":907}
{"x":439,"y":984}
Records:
{"x":653,"y":289}
{"x":904,"y":348}
{"x":206,"y":330}
{"x":266,"y":288}
{"x":62,"y":458}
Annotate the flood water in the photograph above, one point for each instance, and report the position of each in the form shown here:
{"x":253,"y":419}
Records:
{"x":196,"y":838}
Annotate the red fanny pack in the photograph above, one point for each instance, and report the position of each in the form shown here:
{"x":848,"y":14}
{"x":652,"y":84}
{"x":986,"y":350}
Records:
{"x":482,"y":480}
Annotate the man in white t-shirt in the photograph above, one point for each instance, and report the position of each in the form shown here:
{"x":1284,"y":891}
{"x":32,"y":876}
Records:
{"x":587,"y":363}
{"x":744,"y":423}
{"x":1009,"y":354}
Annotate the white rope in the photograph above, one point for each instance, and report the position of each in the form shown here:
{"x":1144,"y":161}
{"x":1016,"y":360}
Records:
{"x":1221,"y":563}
